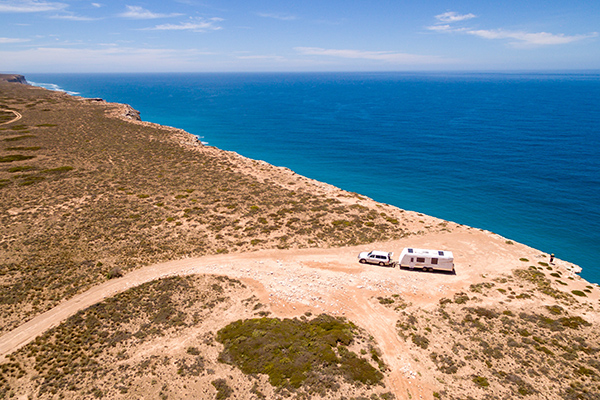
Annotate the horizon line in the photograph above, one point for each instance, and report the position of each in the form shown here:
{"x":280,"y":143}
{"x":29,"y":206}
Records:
{"x":441,"y":71}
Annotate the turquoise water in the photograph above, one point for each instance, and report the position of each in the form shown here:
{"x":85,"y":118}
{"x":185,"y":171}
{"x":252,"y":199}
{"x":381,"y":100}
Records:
{"x":516,"y":154}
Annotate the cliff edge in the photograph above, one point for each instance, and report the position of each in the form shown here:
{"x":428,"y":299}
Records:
{"x":14,"y":78}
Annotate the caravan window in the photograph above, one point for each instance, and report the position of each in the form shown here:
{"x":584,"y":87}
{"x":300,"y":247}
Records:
{"x":434,"y":260}
{"x":420,"y":259}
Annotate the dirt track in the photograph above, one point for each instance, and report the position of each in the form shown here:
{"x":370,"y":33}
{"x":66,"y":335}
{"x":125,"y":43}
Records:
{"x":18,"y":116}
{"x":324,"y":280}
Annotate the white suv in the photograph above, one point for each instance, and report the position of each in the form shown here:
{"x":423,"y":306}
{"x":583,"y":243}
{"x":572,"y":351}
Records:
{"x":382,"y":258}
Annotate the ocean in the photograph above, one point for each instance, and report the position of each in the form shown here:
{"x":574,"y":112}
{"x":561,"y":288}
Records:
{"x":514,"y":153}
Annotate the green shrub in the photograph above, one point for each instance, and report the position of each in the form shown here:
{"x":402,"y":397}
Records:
{"x":23,"y":148}
{"x":16,"y":138}
{"x":461,"y":298}
{"x":223,"y":389}
{"x":291,"y":351}
{"x":420,"y":341}
{"x":555,"y":309}
{"x":21,"y":168}
{"x":15,"y":157}
{"x":578,"y":293}
{"x":65,"y":168}
{"x":385,"y":300}
{"x":481,"y":381}
{"x":444,"y":301}
{"x":114,"y":273}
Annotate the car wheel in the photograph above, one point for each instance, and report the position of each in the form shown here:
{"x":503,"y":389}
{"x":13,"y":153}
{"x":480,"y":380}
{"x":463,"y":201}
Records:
{"x":362,"y":261}
{"x":381,"y":263}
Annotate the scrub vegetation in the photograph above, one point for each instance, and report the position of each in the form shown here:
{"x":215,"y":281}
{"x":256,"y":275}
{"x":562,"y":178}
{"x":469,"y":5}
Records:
{"x":297,"y":353}
{"x":128,"y":346}
{"x":487,"y":344}
{"x":84,"y":194}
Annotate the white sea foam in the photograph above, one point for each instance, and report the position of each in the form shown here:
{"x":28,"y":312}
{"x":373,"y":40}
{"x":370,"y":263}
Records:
{"x":52,"y":86}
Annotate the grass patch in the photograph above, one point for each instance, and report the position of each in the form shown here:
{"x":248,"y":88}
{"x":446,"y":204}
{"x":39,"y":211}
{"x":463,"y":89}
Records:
{"x":17,"y":138}
{"x":293,"y":352}
{"x":14,"y":157}
{"x":542,"y":283}
{"x":223,"y":389}
{"x":23,"y":148}
{"x":21,"y":168}
{"x":65,"y":168}
{"x":30,"y":180}
{"x":481,"y":381}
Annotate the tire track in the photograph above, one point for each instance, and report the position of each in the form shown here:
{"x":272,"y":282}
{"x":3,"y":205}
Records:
{"x":18,"y":116}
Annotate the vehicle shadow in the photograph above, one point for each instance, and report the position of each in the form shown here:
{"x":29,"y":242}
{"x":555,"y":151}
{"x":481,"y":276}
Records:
{"x":421,"y":271}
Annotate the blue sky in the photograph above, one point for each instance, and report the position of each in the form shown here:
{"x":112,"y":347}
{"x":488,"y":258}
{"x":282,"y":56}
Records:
{"x":299,"y":35}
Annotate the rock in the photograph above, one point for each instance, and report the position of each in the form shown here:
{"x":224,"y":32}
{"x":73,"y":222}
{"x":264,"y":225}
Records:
{"x":131,"y":113}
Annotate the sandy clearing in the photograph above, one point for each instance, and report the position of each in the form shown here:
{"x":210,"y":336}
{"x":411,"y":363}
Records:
{"x":292,"y":282}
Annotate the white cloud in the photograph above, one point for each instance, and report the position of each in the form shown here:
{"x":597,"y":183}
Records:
{"x":519,"y":38}
{"x":26,"y":6}
{"x":72,"y":17}
{"x":385,"y":56}
{"x":282,"y":17}
{"x":272,"y":58}
{"x":97,"y":5}
{"x":453,"y":16}
{"x":196,"y":25}
{"x":106,"y":59}
{"x":532,"y":39}
{"x":4,"y":40}
{"x":440,"y":28}
{"x":136,"y":12}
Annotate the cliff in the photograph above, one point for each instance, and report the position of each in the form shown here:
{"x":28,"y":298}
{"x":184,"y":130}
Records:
{"x":13,"y":78}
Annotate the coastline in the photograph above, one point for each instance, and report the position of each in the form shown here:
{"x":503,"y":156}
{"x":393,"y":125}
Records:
{"x":542,"y":198}
{"x":190,"y":141}
{"x":289,"y":274}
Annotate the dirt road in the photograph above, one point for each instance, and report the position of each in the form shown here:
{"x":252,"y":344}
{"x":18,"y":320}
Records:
{"x":292,"y":282}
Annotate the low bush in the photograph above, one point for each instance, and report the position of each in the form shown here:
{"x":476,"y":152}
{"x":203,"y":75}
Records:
{"x":14,"y":157}
{"x":292,"y":351}
{"x":481,"y":381}
{"x":223,"y":389}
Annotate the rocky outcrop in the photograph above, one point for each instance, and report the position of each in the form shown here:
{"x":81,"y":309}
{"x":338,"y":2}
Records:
{"x":131,"y":113}
{"x":13,"y":78}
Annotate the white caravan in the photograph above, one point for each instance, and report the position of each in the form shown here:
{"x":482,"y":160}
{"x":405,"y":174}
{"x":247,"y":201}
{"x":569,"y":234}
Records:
{"x":427,"y":260}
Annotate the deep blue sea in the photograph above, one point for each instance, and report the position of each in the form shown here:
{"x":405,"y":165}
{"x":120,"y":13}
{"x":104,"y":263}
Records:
{"x":517,"y":154}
